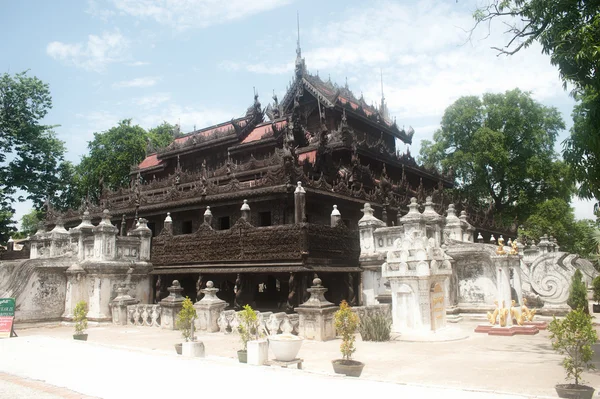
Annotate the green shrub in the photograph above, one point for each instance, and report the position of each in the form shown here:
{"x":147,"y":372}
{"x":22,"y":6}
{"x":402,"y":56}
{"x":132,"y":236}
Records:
{"x":80,"y":317}
{"x":375,"y":328}
{"x":185,"y":318}
{"x":574,"y":336}
{"x":248,"y":328}
{"x":596,"y":288}
{"x":578,"y":293}
{"x":346,"y":323}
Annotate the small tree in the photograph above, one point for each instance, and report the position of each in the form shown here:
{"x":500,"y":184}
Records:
{"x":185,"y":318}
{"x":346,"y":324}
{"x":596,"y":288}
{"x":574,"y":336}
{"x":248,"y":327}
{"x":578,"y":293}
{"x":80,"y":317}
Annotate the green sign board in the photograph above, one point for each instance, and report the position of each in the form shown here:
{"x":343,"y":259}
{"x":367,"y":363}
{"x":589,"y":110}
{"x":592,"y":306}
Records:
{"x":7,"y":307}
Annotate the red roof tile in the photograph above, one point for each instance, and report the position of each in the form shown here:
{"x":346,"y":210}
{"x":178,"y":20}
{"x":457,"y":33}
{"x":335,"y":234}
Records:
{"x":150,"y":161}
{"x":260,"y":131}
{"x":311,"y":156}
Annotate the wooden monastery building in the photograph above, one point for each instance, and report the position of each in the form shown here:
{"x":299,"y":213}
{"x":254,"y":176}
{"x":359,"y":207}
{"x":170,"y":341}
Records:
{"x":252,"y":203}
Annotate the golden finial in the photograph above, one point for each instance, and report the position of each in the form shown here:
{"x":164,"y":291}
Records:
{"x":515,"y":249}
{"x":500,"y":250}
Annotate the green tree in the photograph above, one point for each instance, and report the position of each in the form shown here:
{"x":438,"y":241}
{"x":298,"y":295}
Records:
{"x":30,"y":153}
{"x":555,"y":217}
{"x":501,"y":150}
{"x":568,"y":31}
{"x":161,"y":136}
{"x":578,"y":293}
{"x":111,"y":155}
{"x":29,"y":222}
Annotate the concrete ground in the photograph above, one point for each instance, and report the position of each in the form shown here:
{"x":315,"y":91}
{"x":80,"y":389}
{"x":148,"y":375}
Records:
{"x":523,"y":365}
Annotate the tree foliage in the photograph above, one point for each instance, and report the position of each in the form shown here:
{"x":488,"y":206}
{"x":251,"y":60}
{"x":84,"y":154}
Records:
{"x":112,"y":154}
{"x":569,"y":32}
{"x":578,"y":293}
{"x":573,"y":337}
{"x":31,"y":155}
{"x":501,"y":151}
{"x":555,"y":217}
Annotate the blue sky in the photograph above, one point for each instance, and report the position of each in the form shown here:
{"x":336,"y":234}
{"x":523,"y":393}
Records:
{"x":196,"y":62}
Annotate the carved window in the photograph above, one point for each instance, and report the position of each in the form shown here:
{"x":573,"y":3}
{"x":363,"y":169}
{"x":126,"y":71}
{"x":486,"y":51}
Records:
{"x":186,"y":227}
{"x":264,"y":218}
{"x":224,"y":223}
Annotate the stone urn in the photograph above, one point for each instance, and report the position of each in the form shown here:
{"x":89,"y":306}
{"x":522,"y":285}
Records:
{"x":285,"y":347}
{"x":573,"y":391}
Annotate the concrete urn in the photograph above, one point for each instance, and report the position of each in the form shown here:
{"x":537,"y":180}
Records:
{"x":285,"y":347}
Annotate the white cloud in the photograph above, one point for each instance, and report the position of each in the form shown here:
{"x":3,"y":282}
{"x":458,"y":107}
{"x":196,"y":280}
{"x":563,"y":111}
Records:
{"x":93,"y":55}
{"x":182,"y":15}
{"x":147,"y":81}
{"x":152,"y":101}
{"x":138,"y":63}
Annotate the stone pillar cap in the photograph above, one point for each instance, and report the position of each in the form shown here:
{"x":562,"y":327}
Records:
{"x":207,"y":212}
{"x":299,"y":188}
{"x":168,"y":218}
{"x":335,"y":211}
{"x":245,"y":206}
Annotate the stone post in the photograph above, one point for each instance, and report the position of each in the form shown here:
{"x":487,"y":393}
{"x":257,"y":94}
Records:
{"x":433,"y":221}
{"x":105,"y":238}
{"x":168,"y":224}
{"x":467,"y":228}
{"x":119,"y":305}
{"x":316,"y":315}
{"x":10,"y":245}
{"x":171,"y":306}
{"x":209,"y":309}
{"x":85,"y":228}
{"x":336,"y":216}
{"x":371,"y":279}
{"x":453,"y":228}
{"x":145,"y":234}
{"x":245,"y":211}
{"x":208,"y":216}
{"x":75,"y":289}
{"x":59,"y":239}
{"x":366,"y":226}
{"x":299,"y":204}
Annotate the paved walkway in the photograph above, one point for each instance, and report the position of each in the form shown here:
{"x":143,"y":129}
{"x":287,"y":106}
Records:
{"x":106,"y":372}
{"x":521,"y":365}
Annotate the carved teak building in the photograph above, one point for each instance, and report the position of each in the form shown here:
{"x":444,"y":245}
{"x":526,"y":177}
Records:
{"x":317,"y":148}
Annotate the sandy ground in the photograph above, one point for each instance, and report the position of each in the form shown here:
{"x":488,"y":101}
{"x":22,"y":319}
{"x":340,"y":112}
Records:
{"x":524,"y":365}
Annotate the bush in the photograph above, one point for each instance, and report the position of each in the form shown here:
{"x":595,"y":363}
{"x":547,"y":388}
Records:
{"x":185,"y":318}
{"x":346,"y":323}
{"x":375,"y":328}
{"x":596,"y":288}
{"x":80,"y":317}
{"x":574,"y":336}
{"x":578,"y":293}
{"x":248,"y":327}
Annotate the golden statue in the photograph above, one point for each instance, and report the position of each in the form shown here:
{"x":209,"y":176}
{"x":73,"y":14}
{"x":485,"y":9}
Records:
{"x":519,"y":317}
{"x":515,"y":249}
{"x":492,"y":316}
{"x":503,"y":312}
{"x":529,"y":313}
{"x":500,"y":249}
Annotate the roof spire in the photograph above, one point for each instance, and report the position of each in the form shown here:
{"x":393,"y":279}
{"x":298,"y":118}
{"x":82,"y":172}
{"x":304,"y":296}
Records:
{"x":300,"y":67}
{"x":298,"y":50}
{"x":383,"y":111}
{"x":381,"y":73}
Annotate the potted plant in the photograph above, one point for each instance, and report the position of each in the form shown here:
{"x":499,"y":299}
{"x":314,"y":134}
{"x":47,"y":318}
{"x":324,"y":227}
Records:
{"x":80,"y":319}
{"x":573,"y":337}
{"x":184,"y":321}
{"x":596,"y":289}
{"x":346,"y":324}
{"x":285,"y":347}
{"x":248,"y":330}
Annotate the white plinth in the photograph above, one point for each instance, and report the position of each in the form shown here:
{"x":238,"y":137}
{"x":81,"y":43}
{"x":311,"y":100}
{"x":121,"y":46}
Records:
{"x":258,"y":352}
{"x":192,"y":349}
